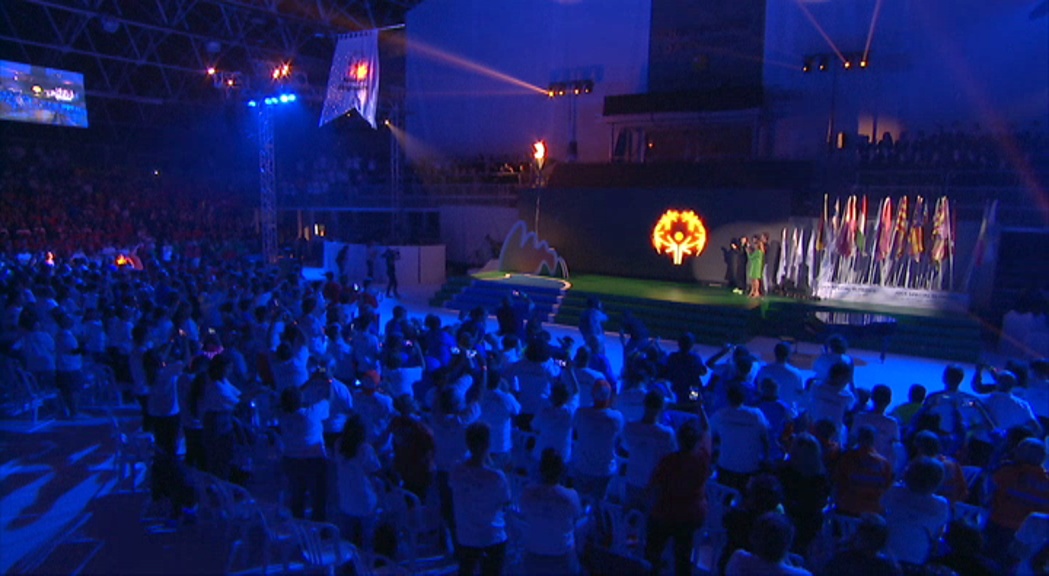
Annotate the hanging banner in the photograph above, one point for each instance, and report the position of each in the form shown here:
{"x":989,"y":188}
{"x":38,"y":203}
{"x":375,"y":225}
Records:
{"x":353,"y":83}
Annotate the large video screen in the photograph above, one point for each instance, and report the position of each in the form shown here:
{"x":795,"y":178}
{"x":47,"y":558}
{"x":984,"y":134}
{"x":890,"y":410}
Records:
{"x":42,"y":95}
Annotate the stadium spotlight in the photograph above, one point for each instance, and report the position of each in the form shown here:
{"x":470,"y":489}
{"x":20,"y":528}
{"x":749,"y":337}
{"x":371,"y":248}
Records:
{"x":211,"y":70}
{"x":292,"y":97}
{"x":252,"y":103}
{"x":283,"y":98}
{"x":847,"y":64}
{"x":863,"y":63}
{"x":823,"y":64}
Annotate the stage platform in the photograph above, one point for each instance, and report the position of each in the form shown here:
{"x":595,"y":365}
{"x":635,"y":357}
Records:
{"x":716,"y":315}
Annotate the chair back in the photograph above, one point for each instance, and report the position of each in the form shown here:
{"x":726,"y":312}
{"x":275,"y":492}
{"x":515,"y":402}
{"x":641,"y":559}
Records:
{"x":840,"y":528}
{"x":320,"y":543}
{"x":720,"y":499}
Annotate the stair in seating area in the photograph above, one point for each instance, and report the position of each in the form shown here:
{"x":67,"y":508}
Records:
{"x":451,"y":288}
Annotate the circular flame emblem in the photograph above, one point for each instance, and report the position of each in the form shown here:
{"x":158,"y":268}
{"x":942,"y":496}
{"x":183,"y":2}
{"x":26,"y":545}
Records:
{"x":679,"y":233}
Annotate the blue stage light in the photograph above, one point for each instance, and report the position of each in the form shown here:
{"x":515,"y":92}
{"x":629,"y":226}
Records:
{"x":292,"y":97}
{"x":283,"y":98}
{"x":252,"y":103}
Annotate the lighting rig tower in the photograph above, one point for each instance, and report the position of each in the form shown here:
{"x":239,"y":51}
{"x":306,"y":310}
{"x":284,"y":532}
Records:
{"x":572,"y":90}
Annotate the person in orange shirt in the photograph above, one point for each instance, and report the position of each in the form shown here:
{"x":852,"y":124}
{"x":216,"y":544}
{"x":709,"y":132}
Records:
{"x":861,"y":477}
{"x":1018,"y":489}
{"x":954,"y":487}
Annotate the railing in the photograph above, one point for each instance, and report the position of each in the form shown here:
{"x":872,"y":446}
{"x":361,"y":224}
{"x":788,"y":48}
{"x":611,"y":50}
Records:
{"x":416,"y":197}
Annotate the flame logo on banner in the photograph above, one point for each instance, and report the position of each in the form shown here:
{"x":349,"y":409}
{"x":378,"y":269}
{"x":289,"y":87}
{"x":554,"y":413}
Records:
{"x":679,"y":233}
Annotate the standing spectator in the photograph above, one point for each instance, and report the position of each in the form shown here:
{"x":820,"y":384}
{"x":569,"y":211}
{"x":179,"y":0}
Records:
{"x":550,"y":512}
{"x":861,"y":477}
{"x":553,"y":425}
{"x":831,"y":400}
{"x":374,"y":406}
{"x":592,"y":322}
{"x":579,"y":378}
{"x":498,"y":408}
{"x":480,"y":495}
{"x":684,"y":368}
{"x":449,"y":420}
{"x":356,"y":463}
{"x":305,"y":463}
{"x":679,"y":490}
{"x":220,"y":398}
{"x":780,"y":417}
{"x":597,"y":429}
{"x":904,"y":413}
{"x":741,"y":440}
{"x":69,"y":364}
{"x":806,"y":488}
{"x":391,"y":256}
{"x":413,"y":447}
{"x":647,"y":441}
{"x":534,"y":375}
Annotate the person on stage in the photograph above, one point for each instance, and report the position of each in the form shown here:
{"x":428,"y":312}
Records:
{"x":755,"y":265}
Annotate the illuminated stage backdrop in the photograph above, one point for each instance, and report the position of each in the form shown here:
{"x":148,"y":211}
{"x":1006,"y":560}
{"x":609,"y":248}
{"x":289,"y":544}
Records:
{"x":609,"y":230}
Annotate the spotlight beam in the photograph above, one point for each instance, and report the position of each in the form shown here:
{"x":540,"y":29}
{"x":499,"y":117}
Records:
{"x":816,"y":25}
{"x":870,"y":31}
{"x":470,"y":65}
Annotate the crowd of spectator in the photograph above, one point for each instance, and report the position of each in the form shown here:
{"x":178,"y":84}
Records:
{"x":956,"y":149}
{"x":498,"y":424}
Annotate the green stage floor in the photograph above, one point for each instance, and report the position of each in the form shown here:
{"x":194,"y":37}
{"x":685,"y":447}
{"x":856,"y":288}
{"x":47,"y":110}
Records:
{"x":684,"y":293}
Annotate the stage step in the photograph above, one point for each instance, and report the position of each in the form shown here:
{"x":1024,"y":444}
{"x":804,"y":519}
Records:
{"x":489,"y":295}
{"x":711,"y":325}
{"x":451,"y":288}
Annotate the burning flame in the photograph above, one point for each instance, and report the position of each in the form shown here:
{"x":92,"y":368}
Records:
{"x":123,"y":260}
{"x":679,"y":233}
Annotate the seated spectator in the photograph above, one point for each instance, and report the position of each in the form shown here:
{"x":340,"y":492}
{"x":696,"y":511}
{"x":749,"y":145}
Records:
{"x":835,"y":352}
{"x":779,"y":415}
{"x":864,"y":553}
{"x":647,"y":442}
{"x":550,"y":512}
{"x":790,"y":380}
{"x":1018,"y":489}
{"x":678,"y":489}
{"x":806,"y":488}
{"x":770,"y":542}
{"x":886,"y":428}
{"x":963,"y":551}
{"x":826,"y":433}
{"x":904,"y":413}
{"x":861,"y":477}
{"x":579,"y":379}
{"x":1032,"y":545}
{"x":830,"y":399}
{"x":954,"y":487}
{"x":597,"y":429}
{"x":741,"y":440}
{"x":915,"y":515}
{"x":480,"y":495}
{"x":762,"y":495}
{"x":1005,"y":408}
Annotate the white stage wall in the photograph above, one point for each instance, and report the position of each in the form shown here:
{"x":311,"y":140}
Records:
{"x":463,"y":230}
{"x":460,"y":110}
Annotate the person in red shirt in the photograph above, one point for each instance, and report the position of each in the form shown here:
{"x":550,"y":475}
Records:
{"x":679,"y":489}
{"x":861,"y":477}
{"x":413,"y":447}
{"x":1019,"y":489}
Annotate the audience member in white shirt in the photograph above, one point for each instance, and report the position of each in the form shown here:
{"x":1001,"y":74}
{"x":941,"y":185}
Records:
{"x":449,"y":422}
{"x":553,"y":425}
{"x":550,"y":513}
{"x":791,"y":380}
{"x":741,"y":440}
{"x":534,"y":376}
{"x":305,"y":462}
{"x":1005,"y":408}
{"x":779,"y":415}
{"x":69,"y":364}
{"x":220,"y":398}
{"x":356,"y":463}
{"x":833,"y":353}
{"x":830,"y":399}
{"x":480,"y":496}
{"x":1036,"y":393}
{"x":886,"y":428}
{"x":579,"y":379}
{"x":647,"y":441}
{"x":374,"y":406}
{"x":498,"y":408}
{"x":597,"y":431}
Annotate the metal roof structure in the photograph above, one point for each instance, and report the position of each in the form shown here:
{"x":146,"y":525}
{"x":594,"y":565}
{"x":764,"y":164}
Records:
{"x":137,"y":56}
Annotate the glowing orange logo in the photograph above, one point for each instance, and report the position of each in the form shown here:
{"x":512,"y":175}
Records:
{"x":360,"y":71}
{"x":679,"y":233}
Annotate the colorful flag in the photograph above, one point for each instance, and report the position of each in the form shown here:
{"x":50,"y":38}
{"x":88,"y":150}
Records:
{"x":942,"y":235}
{"x":886,"y":231}
{"x":821,"y":233}
{"x":861,"y":227}
{"x":899,"y":238}
{"x":847,"y":230}
{"x":353,"y":83}
{"x":917,"y":233}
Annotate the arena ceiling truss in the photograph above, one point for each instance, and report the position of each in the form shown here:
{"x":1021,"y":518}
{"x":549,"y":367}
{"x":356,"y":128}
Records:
{"x":138,"y":55}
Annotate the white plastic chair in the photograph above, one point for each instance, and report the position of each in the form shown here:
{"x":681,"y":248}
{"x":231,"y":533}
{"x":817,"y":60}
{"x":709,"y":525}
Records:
{"x":971,"y":515}
{"x":321,"y":545}
{"x":132,"y":449}
{"x":712,"y":537}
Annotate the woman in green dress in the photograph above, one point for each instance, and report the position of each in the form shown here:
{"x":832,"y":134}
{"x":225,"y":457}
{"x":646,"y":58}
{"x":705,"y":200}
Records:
{"x":755,"y":266}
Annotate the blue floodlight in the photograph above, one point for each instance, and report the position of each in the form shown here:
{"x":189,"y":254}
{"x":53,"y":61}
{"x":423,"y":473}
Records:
{"x":283,"y":98}
{"x":252,"y":103}
{"x":292,"y":97}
